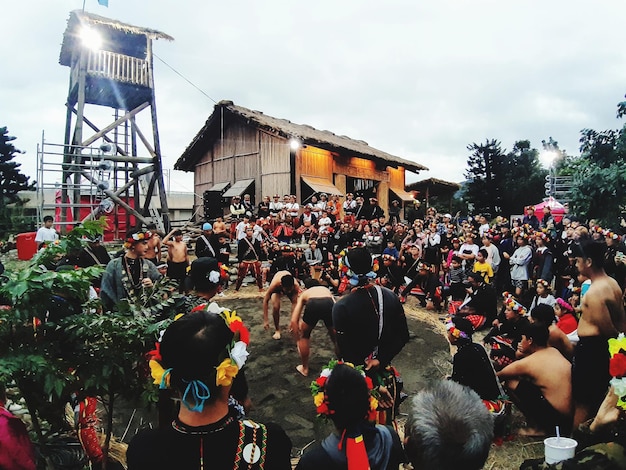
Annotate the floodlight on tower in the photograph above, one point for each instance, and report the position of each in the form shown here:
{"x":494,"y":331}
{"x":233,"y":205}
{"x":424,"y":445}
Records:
{"x":91,"y":38}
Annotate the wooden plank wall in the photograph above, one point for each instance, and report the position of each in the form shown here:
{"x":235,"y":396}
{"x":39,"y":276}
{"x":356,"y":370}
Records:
{"x":275,"y":168}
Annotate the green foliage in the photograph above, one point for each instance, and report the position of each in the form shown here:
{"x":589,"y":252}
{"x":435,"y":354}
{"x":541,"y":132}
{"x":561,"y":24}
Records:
{"x":103,"y":367}
{"x":599,"y":175}
{"x":500,"y":182}
{"x":12,"y":181}
{"x":483,"y":168}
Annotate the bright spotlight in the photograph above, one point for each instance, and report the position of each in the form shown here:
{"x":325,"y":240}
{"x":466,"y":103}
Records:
{"x":294,"y":144}
{"x":547,"y":157}
{"x":91,"y":38}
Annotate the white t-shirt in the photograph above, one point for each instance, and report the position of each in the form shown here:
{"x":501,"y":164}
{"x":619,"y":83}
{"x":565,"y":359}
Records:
{"x":46,"y":235}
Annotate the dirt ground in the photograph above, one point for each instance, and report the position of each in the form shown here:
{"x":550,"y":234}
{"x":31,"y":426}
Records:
{"x":281,"y":395}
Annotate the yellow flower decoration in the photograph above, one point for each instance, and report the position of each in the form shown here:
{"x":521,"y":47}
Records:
{"x":230,"y":317}
{"x":179,"y":315}
{"x":157,"y":371}
{"x":318,"y":399}
{"x":373,"y":403}
{"x":225,"y":372}
{"x":615,"y":344}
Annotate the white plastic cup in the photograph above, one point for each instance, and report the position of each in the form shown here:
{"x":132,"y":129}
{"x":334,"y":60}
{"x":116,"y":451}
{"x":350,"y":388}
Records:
{"x":558,"y":449}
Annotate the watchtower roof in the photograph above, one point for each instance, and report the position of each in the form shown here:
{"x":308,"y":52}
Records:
{"x":79,"y":19}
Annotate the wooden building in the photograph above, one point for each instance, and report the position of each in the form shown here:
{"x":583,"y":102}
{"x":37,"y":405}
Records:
{"x":239,"y":151}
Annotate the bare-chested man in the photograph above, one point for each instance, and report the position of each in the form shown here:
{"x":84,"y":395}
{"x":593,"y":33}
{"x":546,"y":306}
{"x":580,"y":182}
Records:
{"x":602,"y":318}
{"x":317,"y":303}
{"x":177,"y":257}
{"x":154,"y":245}
{"x":282,"y":283}
{"x":540,"y":383}
{"x":219,"y":226}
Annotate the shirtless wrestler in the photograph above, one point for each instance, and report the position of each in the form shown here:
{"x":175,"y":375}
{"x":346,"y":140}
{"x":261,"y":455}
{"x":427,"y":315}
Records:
{"x":283,"y":283}
{"x":317,"y":304}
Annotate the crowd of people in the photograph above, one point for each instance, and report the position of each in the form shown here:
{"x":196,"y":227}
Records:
{"x":548,"y":293}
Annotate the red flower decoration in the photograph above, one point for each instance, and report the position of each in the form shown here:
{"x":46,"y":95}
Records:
{"x":321,"y":381}
{"x":199,"y":308}
{"x":238,"y":327}
{"x":369,"y":383}
{"x":617,"y":365}
{"x":371,"y":415}
{"x":155,"y":354}
{"x":323,"y":409}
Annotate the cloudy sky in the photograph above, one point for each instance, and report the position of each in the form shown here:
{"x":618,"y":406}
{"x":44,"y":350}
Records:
{"x":418,"y":79}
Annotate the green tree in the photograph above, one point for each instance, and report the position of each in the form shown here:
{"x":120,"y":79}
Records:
{"x":523,"y":178}
{"x":599,"y":175}
{"x":482,"y":190}
{"x":500,"y":182}
{"x":12,"y":181}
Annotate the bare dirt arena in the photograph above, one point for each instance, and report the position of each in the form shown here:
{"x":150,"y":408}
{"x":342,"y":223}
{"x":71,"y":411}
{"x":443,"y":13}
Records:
{"x":281,"y":395}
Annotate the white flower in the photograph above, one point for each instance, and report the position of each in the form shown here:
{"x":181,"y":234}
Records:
{"x":161,"y":333}
{"x":325,"y":373}
{"x":239,"y":354}
{"x":214,"y":277}
{"x":619,"y":385}
{"x":214,"y":308}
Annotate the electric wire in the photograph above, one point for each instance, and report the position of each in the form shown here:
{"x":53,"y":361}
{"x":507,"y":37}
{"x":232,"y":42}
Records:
{"x":184,"y":78}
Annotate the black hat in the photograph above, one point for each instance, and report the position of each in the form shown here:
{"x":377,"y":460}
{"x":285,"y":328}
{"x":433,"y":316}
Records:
{"x":359,"y":260}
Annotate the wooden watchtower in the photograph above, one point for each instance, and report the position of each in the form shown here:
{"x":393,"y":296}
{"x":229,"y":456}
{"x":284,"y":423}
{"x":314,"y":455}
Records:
{"x":111,"y":66}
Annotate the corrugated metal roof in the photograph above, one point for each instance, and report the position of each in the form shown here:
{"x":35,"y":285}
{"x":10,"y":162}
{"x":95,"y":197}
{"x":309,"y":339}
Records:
{"x":238,"y":188}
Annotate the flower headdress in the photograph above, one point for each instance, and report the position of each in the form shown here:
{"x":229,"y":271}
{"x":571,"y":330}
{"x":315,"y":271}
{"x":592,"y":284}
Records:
{"x":230,"y":361}
{"x":454,"y":331}
{"x":565,"y":305}
{"x":137,"y":237}
{"x":509,"y":301}
{"x":617,"y":368}
{"x":610,"y":234}
{"x":320,"y":398}
{"x":545,"y":284}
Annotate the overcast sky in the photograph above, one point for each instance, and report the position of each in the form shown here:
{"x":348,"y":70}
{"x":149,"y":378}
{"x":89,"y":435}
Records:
{"x":417,"y":79}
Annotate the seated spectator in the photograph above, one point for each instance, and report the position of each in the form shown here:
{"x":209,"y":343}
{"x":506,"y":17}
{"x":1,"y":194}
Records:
{"x":344,"y":395}
{"x":601,"y":442}
{"x":543,"y":314}
{"x":566,"y":320}
{"x":389,"y":273}
{"x":428,"y":287}
{"x":207,"y":432}
{"x":471,"y":365}
{"x":506,"y":332}
{"x":314,"y":259}
{"x":391,"y":249}
{"x":481,"y":303}
{"x":448,"y":428}
{"x":540,"y":384}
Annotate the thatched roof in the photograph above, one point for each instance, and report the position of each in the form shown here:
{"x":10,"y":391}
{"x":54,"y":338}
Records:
{"x":79,"y":18}
{"x":435,"y":187}
{"x":287,"y":129}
